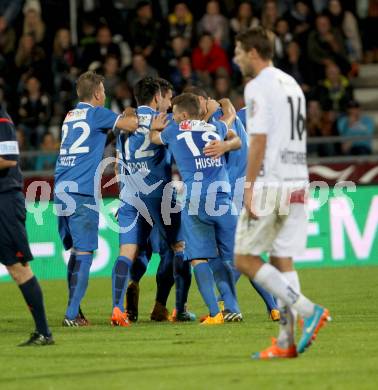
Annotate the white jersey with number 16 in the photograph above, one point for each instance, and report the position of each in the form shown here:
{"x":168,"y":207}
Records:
{"x":276,"y":107}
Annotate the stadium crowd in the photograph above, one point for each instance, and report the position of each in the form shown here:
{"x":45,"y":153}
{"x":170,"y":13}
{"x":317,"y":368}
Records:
{"x":320,"y":43}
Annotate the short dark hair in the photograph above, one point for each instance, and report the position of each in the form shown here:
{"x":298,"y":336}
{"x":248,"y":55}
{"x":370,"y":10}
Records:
{"x":145,"y":90}
{"x":257,"y":38}
{"x":188,"y":102}
{"x":87,"y":84}
{"x":165,"y":86}
{"x":198,"y":91}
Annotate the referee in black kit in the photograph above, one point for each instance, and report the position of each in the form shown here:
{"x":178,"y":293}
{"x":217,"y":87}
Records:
{"x":14,"y":247}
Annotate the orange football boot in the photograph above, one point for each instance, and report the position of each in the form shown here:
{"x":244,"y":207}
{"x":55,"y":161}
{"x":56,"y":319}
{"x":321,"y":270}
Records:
{"x":274,"y":351}
{"x":119,"y":318}
{"x":216,"y":320}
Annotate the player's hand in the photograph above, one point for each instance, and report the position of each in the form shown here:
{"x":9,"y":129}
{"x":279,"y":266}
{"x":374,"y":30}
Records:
{"x":227,"y":107}
{"x":128,"y":111}
{"x":159,"y":122}
{"x":248,"y":204}
{"x":215,"y":149}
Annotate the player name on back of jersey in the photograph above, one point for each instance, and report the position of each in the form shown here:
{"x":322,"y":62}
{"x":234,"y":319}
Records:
{"x":132,"y":167}
{"x":293,"y":157}
{"x":67,"y":161}
{"x":207,"y":162}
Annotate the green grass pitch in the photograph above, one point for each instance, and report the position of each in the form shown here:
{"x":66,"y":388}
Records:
{"x":189,"y":356}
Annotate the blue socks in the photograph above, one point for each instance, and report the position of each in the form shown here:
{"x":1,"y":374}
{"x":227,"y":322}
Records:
{"x":139,"y":267}
{"x":224,"y":280}
{"x":268,"y":298}
{"x":205,"y":281}
{"x":120,"y":278}
{"x":32,"y":293}
{"x":182,"y":274}
{"x":70,"y":268}
{"x":164,"y":276}
{"x":78,"y":284}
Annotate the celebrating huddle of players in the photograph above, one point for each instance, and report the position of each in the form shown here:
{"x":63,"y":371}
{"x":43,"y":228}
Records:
{"x":194,"y":225}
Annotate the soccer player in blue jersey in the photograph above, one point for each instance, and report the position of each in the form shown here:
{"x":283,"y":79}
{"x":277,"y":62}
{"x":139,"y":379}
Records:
{"x":236,"y":166}
{"x":241,"y":114}
{"x":206,"y":232}
{"x":168,"y":272}
{"x":147,"y":165}
{"x":84,"y":133}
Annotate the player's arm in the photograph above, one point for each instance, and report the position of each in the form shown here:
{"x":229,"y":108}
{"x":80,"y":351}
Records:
{"x":116,"y":166}
{"x":211,"y":107}
{"x":229,"y":112}
{"x":127,"y":122}
{"x":158,"y":124}
{"x":155,"y":137}
{"x":218,"y":148}
{"x":5,"y":164}
{"x":8,"y":148}
{"x":256,"y":155}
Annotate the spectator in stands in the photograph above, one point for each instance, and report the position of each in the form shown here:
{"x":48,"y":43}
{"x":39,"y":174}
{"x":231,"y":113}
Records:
{"x":33,"y":23}
{"x":294,"y":65}
{"x":216,"y":24}
{"x":223,"y":89}
{"x":88,"y":33}
{"x":180,"y":22}
{"x":347,"y":25}
{"x":300,"y":21}
{"x":369,"y":13}
{"x":144,"y":32}
{"x":121,"y":98}
{"x":140,"y":69}
{"x":319,"y":5}
{"x":356,"y":124}
{"x":244,"y":18}
{"x":208,"y":58}
{"x":30,"y":58}
{"x":34,"y":112}
{"x":182,"y":75}
{"x":335,"y":90}
{"x":326,"y":44}
{"x":178,"y":47}
{"x":111,"y":71}
{"x":321,"y":123}
{"x":282,"y":40}
{"x":25,"y":163}
{"x":7,"y":39}
{"x":103,"y":47}
{"x":46,"y":162}
{"x":65,"y":68}
{"x":9,"y":10}
{"x":269,"y":15}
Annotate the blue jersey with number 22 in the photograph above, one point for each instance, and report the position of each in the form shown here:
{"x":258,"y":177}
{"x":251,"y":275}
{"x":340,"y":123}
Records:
{"x":83,"y":141}
{"x":140,"y":155}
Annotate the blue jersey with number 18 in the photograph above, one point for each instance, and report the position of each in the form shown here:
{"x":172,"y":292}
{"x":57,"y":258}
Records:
{"x":83,"y":141}
{"x":186,"y":142}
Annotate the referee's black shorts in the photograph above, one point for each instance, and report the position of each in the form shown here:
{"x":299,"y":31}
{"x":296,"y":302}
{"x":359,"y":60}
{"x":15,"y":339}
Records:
{"x":14,"y":246}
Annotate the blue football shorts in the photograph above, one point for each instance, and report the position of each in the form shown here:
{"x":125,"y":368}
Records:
{"x":80,"y":229}
{"x":209,"y":236}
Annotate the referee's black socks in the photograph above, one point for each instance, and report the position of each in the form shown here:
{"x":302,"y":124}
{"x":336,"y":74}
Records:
{"x":32,"y":293}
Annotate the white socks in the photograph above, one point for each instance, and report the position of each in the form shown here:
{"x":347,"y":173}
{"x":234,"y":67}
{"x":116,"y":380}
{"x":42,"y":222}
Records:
{"x":288,"y":321}
{"x":276,"y":283}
